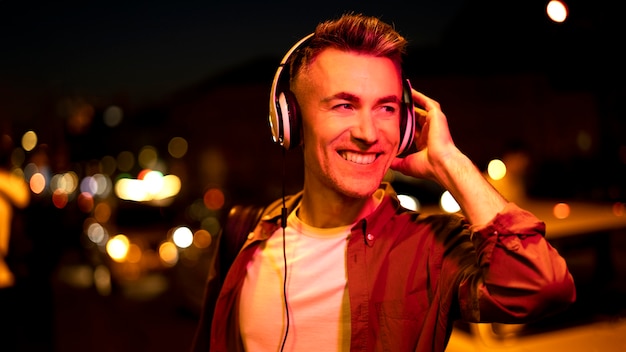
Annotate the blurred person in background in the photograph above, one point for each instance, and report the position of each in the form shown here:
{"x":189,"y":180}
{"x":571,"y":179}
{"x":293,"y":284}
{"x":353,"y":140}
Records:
{"x":342,"y":265}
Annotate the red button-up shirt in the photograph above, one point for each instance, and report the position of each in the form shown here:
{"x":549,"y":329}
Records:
{"x":411,"y":276}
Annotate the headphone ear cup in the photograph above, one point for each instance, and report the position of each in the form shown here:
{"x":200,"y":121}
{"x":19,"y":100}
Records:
{"x":291,"y":120}
{"x":279,"y":120}
{"x":407,"y":119}
{"x":284,"y":119}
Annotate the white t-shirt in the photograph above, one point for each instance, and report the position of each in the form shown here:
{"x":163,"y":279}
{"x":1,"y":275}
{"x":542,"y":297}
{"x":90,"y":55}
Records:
{"x":317,"y":291}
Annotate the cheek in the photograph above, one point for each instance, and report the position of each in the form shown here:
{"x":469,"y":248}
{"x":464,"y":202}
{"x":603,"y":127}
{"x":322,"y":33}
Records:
{"x":308,"y":138}
{"x":390,"y":129}
{"x":319,"y":133}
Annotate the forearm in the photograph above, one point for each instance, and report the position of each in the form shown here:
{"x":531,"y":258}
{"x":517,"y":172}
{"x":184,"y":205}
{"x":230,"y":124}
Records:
{"x":479,"y":201}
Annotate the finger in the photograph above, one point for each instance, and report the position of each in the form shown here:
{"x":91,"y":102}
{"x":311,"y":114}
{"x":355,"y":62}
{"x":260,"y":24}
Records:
{"x":424,"y":101}
{"x":420,"y":117}
{"x":419,"y":98}
{"x":421,"y":113}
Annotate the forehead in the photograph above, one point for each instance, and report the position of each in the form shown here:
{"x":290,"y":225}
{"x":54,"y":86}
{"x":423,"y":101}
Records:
{"x":349,"y":68}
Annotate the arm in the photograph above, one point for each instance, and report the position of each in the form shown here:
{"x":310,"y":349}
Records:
{"x":519,"y":275}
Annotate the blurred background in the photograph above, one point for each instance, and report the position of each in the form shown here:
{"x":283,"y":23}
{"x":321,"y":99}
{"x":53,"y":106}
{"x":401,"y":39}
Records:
{"x":128,"y":130}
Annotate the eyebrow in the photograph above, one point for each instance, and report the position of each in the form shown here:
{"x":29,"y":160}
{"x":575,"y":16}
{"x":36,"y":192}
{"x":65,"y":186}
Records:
{"x":353,"y":98}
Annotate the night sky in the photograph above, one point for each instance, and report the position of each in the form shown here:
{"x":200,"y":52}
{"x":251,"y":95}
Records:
{"x":144,"y":49}
{"x":140,"y":53}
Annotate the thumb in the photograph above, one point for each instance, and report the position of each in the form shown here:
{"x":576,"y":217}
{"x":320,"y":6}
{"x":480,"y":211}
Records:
{"x":403,"y":165}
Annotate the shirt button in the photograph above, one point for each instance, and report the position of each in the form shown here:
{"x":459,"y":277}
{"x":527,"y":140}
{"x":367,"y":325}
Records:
{"x":370,"y":237}
{"x":250,"y":235}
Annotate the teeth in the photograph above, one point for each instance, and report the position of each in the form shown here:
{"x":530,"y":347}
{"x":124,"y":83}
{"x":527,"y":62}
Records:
{"x":359,"y":158}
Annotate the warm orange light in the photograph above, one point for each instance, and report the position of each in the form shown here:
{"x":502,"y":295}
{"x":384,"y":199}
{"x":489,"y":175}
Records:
{"x":618,"y":209}
{"x":214,"y":199}
{"x":134,"y":253}
{"x":202,"y":239}
{"x":561,"y":210}
{"x":102,"y":212}
{"x":37,"y":183}
{"x":117,"y":247}
{"x":168,"y":253}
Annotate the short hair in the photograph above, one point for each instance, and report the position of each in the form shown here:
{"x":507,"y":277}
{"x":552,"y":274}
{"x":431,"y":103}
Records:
{"x":352,"y":33}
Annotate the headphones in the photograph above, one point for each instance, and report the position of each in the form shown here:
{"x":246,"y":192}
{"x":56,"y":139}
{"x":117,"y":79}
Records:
{"x":284,"y":118}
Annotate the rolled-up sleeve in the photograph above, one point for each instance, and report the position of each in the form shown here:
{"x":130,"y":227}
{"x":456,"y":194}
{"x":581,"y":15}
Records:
{"x":521,"y":277}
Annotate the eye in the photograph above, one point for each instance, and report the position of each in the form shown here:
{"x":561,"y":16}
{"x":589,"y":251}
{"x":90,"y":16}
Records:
{"x":344,"y":106}
{"x":389,"y":108}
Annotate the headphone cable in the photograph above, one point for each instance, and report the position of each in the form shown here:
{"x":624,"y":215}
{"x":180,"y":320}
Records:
{"x":284,"y":225}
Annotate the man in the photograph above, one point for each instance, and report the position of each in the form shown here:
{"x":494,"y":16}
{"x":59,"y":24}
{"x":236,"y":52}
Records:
{"x":352,"y":269}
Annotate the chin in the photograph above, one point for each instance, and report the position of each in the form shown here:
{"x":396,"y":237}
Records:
{"x":360,"y":189}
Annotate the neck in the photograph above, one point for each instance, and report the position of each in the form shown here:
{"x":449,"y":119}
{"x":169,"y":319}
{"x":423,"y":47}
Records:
{"x":329,"y":209}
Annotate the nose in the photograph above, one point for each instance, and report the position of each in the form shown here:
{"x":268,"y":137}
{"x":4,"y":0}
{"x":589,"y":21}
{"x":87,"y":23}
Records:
{"x":365,"y":129}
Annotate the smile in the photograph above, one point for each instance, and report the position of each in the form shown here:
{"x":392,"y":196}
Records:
{"x":358,"y":158}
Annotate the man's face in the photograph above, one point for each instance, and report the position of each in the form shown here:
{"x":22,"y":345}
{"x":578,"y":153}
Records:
{"x":350,"y":106}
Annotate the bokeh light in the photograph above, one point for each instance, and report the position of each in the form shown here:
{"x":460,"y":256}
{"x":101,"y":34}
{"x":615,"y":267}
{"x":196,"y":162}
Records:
{"x":125,"y":161}
{"x":147,"y":158}
{"x":29,"y":141}
{"x":113,"y":115}
{"x":134,"y":253}
{"x":561,"y":210}
{"x":177,"y":147}
{"x":496,"y":169}
{"x":66,"y":182}
{"x":59,"y":198}
{"x":619,"y":208}
{"x":117,"y":247}
{"x":102,"y":212}
{"x":211,"y":224}
{"x":102,"y":280}
{"x":409,"y":202}
{"x":152,"y":186}
{"x":557,"y":11}
{"x":182,"y":237}
{"x":96,"y":232}
{"x":168,"y":253}
{"x":37,"y":183}
{"x":202,"y":238}
{"x":85,"y":202}
{"x":214,"y":198}
{"x":17,"y":157}
{"x":108,"y":164}
{"x":448,"y":203}
{"x":89,"y":185}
